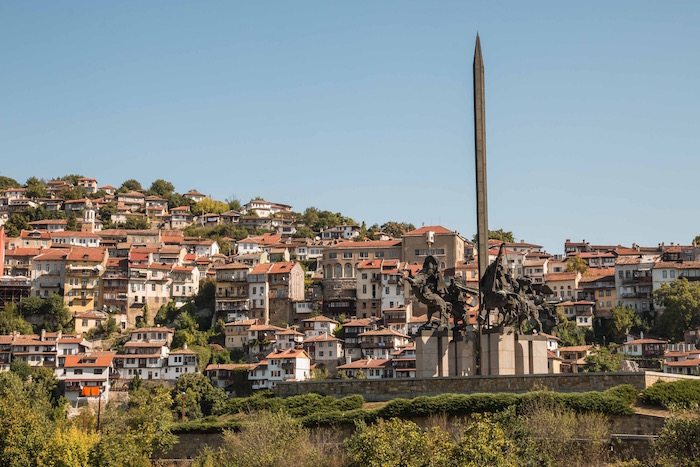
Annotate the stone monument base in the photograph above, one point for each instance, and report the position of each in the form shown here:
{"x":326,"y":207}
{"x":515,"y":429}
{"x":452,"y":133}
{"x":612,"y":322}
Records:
{"x":432,"y":357}
{"x":530,"y":354}
{"x":463,"y":354}
{"x":498,"y":351}
{"x":443,"y":352}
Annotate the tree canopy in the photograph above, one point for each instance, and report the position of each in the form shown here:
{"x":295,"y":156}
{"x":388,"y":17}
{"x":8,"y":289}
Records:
{"x":7,"y":182}
{"x":681,"y":302}
{"x":576,"y":264}
{"x":161,"y":188}
{"x":499,"y":234}
{"x":130,"y":185}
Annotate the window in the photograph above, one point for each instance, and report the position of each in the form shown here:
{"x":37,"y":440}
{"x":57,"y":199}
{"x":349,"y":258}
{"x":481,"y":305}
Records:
{"x":664,"y":274}
{"x":332,"y":255}
{"x":379,"y":254}
{"x":363,"y":254}
{"x":621,"y":274}
{"x":364,"y":288}
{"x":608,"y":293}
{"x":673,"y":273}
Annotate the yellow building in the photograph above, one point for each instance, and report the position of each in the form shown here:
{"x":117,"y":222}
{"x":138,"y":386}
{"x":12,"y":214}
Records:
{"x":82,"y":287}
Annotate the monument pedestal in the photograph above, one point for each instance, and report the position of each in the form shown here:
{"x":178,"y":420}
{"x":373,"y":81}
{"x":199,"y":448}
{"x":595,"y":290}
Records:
{"x":530,"y":354}
{"x":445,"y":352}
{"x":498,"y":351}
{"x":432,"y":356}
{"x":463,"y":354}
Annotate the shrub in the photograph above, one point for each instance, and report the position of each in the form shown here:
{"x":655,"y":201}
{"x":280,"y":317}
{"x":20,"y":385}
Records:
{"x":397,"y":443}
{"x":683,"y":393}
{"x":679,"y":440}
{"x":616,"y":402}
{"x":266,"y":439}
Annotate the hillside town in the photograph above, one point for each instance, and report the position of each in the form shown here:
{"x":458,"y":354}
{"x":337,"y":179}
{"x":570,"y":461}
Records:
{"x":103,"y":285}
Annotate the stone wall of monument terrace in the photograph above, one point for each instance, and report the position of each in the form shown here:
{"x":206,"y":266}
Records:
{"x":384,"y":390}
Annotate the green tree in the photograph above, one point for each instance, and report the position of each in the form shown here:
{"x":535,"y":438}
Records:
{"x":105,"y":212}
{"x":35,"y":188}
{"x":623,"y":319}
{"x":679,"y":440}
{"x":74,"y":192}
{"x":68,"y":447}
{"x":71,"y":222}
{"x":136,"y":223}
{"x":15,"y":224}
{"x":397,"y":229}
{"x":71,"y":178}
{"x":7,"y":182}
{"x":602,"y":360}
{"x":266,"y":439}
{"x":208,"y":399}
{"x":304,"y":232}
{"x":11,"y":320}
{"x":176,"y":200}
{"x":235,"y":205}
{"x":397,"y":443}
{"x":208,"y":206}
{"x":576,"y":264}
{"x":681,"y":302}
{"x":131,"y":437}
{"x":24,"y":426}
{"x":568,"y":332}
{"x":499,"y":234}
{"x":161,"y":188}
{"x":130,"y":185}
{"x":484,"y":442}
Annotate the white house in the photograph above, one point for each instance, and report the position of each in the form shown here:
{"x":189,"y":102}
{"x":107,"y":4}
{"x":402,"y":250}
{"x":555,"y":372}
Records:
{"x":180,"y":362}
{"x":86,"y":376}
{"x":259,"y":206}
{"x":346,"y":232}
{"x":287,"y":365}
{"x":380,"y":343}
{"x":372,"y":368}
{"x":319,"y":325}
{"x":66,"y":237}
{"x":324,"y":349}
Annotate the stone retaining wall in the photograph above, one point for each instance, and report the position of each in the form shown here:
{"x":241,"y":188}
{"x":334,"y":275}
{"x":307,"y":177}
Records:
{"x":387,"y":389}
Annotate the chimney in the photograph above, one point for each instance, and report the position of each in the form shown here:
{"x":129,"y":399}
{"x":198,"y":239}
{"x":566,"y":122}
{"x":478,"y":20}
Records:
{"x":43,"y":334}
{"x":641,"y":334}
{"x":184,"y":346}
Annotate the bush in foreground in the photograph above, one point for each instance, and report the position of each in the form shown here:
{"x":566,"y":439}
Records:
{"x":683,"y":393}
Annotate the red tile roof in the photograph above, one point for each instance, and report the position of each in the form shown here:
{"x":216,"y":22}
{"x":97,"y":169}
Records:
{"x":95,"y":360}
{"x":438,"y":229}
{"x":366,"y":363}
{"x":296,"y":353}
{"x":86,"y":254}
{"x":282,"y":267}
{"x":371,"y":244}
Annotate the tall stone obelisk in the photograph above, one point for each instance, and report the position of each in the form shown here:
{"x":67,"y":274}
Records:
{"x":482,"y":221}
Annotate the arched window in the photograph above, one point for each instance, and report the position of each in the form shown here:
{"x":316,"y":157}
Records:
{"x":348,"y":270}
{"x":329,"y":271}
{"x":338,"y":273}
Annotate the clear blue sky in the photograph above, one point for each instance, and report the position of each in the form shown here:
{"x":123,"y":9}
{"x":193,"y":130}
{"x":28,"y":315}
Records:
{"x":365,"y":107}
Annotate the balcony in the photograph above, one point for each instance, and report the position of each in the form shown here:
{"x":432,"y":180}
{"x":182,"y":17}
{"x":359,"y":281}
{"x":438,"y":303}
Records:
{"x":230,"y":305}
